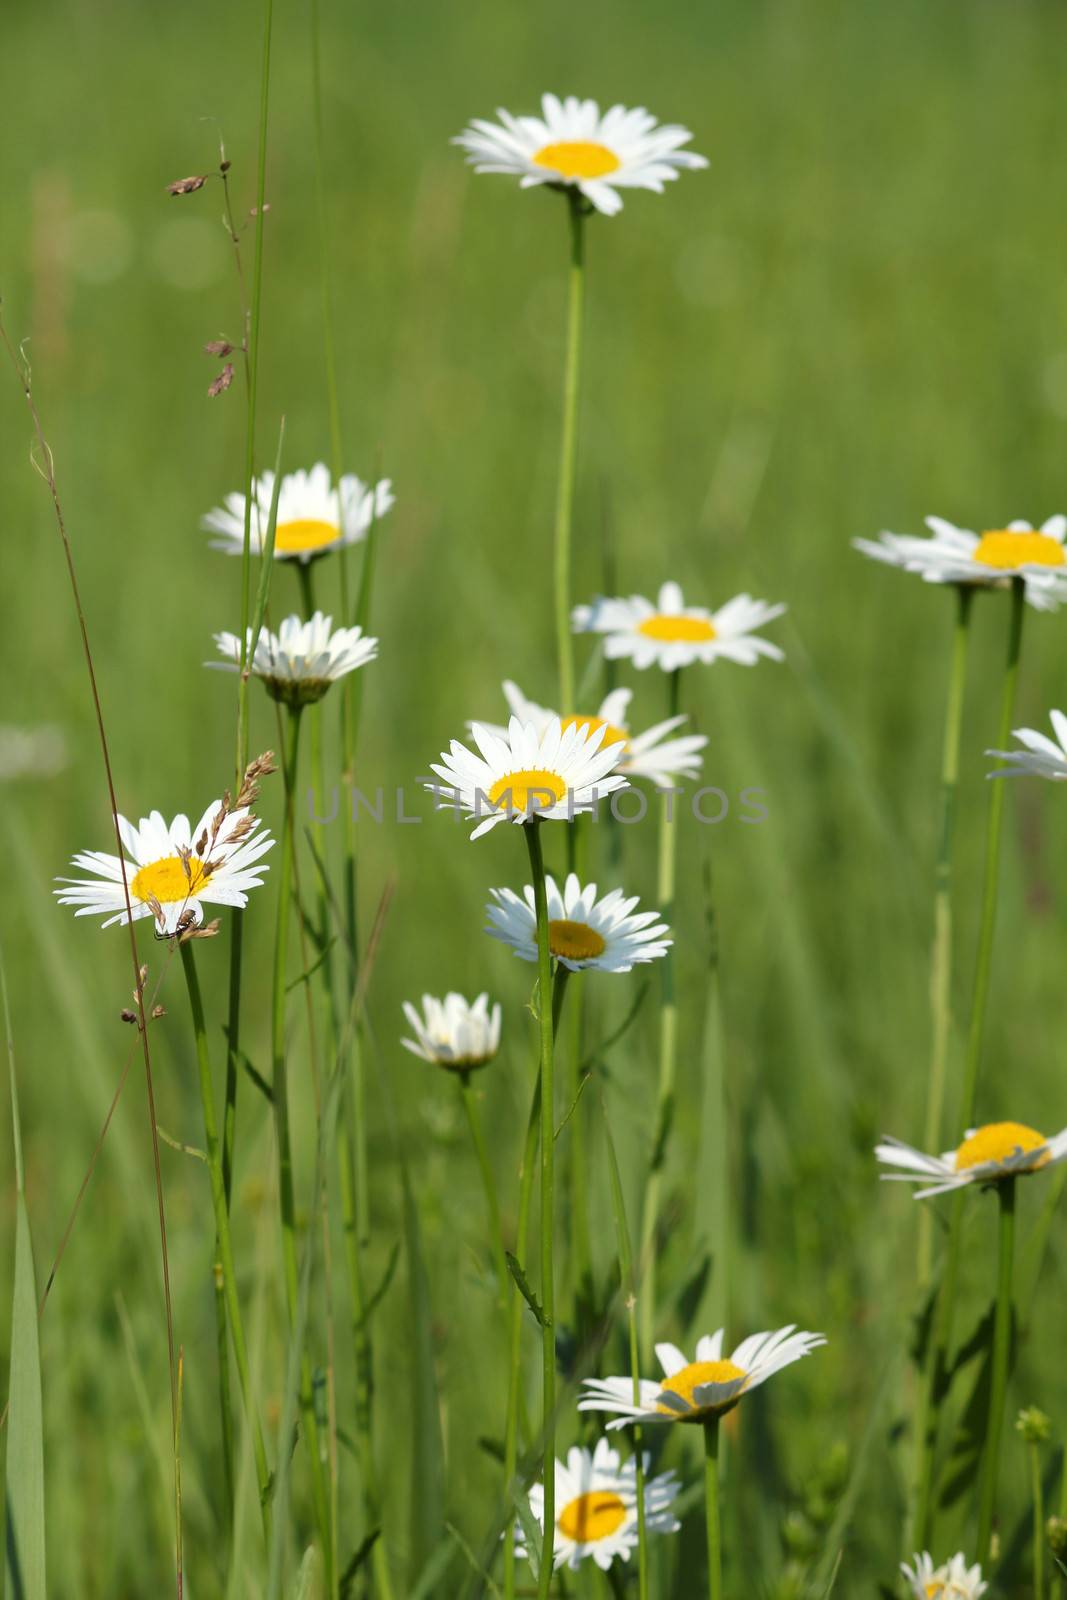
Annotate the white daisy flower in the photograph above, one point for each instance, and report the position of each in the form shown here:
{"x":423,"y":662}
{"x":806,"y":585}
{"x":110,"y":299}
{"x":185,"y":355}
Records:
{"x":582,"y":930}
{"x":172,"y":871}
{"x":572,"y":145}
{"x":299,"y":662}
{"x":694,"y":1391}
{"x":455,"y":1033}
{"x":671,"y":634}
{"x":990,"y":560}
{"x":552,"y":775}
{"x":953,"y":1580}
{"x":596,"y":1501}
{"x":1042,"y":758}
{"x":313,"y":517}
{"x":987,"y":1154}
{"x":652,"y":754}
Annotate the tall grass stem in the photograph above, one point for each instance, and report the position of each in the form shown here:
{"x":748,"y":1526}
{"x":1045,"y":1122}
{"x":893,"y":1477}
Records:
{"x":568,"y":450}
{"x":999,"y":1370}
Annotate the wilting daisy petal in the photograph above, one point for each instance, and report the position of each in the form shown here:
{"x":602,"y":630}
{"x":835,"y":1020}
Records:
{"x":313,"y":518}
{"x":582,"y":931}
{"x":989,"y":560}
{"x":172,"y":870}
{"x":652,"y":754}
{"x":455,"y":1033}
{"x":299,"y":662}
{"x":988,"y":1154}
{"x":572,"y":145}
{"x":552,"y":775}
{"x":693,"y":1391}
{"x":1042,"y":757}
{"x":596,"y":1506}
{"x":671,"y":634}
{"x":954,"y":1580}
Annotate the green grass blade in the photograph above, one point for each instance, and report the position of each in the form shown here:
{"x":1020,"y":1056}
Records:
{"x":266,"y":565}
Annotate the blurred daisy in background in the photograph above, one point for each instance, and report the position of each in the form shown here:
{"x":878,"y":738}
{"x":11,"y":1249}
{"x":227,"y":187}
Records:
{"x":571,"y":145}
{"x":671,"y":634}
{"x":695,"y":1391}
{"x":596,"y":1501}
{"x":455,"y":1033}
{"x":953,"y":1580}
{"x":172,"y":870}
{"x":583,"y":931}
{"x":652,"y":754}
{"x":313,"y":518}
{"x":527,"y":775}
{"x":997,"y":1150}
{"x":39,"y":752}
{"x":1041,"y":756}
{"x":991,"y":560}
{"x":299,"y":662}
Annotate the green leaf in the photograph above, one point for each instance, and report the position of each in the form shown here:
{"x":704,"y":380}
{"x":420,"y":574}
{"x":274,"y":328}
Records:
{"x":434,"y":1569}
{"x":531,"y":1532}
{"x":523,"y":1286}
{"x":305,"y":1578}
{"x":24,"y":1501}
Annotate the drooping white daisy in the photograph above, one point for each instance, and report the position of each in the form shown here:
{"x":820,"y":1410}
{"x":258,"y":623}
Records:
{"x":172,"y":871}
{"x":1042,"y":758}
{"x":652,"y":754}
{"x":299,"y":662}
{"x":997,"y":1150}
{"x":552,"y":775}
{"x":953,"y":1580}
{"x":596,"y":1506}
{"x":572,"y":145}
{"x":990,"y":560}
{"x":671,"y":634}
{"x":455,"y":1033}
{"x":694,"y":1391}
{"x":582,"y":931}
{"x":313,"y":518}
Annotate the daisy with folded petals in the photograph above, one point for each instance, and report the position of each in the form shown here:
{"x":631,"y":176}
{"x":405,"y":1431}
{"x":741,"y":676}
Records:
{"x":299,"y":662}
{"x":572,"y":145}
{"x":694,"y":1391}
{"x":988,"y":560}
{"x":990,"y":1154}
{"x":670,"y":634}
{"x":652,"y":754}
{"x":172,"y":870}
{"x":313,"y":517}
{"x":526,"y":776}
{"x":953,"y":1580}
{"x":583,"y":932}
{"x":596,"y":1507}
{"x":1041,"y":756}
{"x":455,"y":1033}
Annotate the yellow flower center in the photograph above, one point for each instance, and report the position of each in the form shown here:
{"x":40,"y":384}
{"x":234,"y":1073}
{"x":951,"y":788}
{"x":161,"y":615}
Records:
{"x":1007,"y":549}
{"x":691,"y":1377}
{"x":168,"y":881}
{"x":578,"y":158}
{"x":527,"y":791}
{"x":996,"y":1142}
{"x":305,"y":533}
{"x":612,"y":734}
{"x":935,"y":1590}
{"x":677,"y":630}
{"x":591,"y":1517}
{"x":576,"y":941}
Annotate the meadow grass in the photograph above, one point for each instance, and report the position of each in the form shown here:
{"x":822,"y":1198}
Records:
{"x":855,"y":318}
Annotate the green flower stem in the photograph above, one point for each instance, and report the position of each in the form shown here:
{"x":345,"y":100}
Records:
{"x":999,"y":1378}
{"x":568,"y":451}
{"x":526,"y":1176}
{"x":492,"y":1204}
{"x":941,"y":953}
{"x":1037,"y":1492}
{"x":935,"y":1377}
{"x":580,"y":1254}
{"x":668,"y":1044}
{"x":532,"y":830}
{"x":222,"y":1232}
{"x":711,"y":1505}
{"x":280,"y":1089}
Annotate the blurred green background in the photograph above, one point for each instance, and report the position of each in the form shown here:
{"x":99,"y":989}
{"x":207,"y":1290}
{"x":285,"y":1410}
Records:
{"x":856,"y":317}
